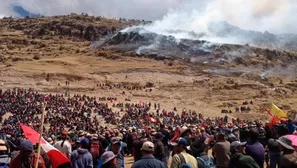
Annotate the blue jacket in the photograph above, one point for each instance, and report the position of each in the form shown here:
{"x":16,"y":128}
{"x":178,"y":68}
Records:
{"x":291,"y":128}
{"x":148,"y":162}
{"x":81,"y":158}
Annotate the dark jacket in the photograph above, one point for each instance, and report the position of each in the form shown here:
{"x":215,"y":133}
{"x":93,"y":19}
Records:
{"x":288,"y":160}
{"x":239,"y":160}
{"x":159,"y":150}
{"x":148,"y":162}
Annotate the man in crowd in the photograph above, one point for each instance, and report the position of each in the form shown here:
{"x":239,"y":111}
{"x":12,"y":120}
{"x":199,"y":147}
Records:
{"x":238,"y":157}
{"x":117,"y":148}
{"x":159,"y":147}
{"x":165,"y":139}
{"x":27,"y":157}
{"x":254,"y":148}
{"x":148,"y":160}
{"x":82,"y":158}
{"x":64,"y":145}
{"x":181,"y":157}
{"x":221,"y":150}
{"x":289,"y":158}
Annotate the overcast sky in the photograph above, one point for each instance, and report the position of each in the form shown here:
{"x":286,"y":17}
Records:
{"x":271,"y":15}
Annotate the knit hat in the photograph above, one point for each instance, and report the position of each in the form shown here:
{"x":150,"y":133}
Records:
{"x":26,"y":145}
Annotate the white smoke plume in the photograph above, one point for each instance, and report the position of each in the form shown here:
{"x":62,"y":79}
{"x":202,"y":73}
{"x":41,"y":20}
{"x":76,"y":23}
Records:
{"x":275,"y":16}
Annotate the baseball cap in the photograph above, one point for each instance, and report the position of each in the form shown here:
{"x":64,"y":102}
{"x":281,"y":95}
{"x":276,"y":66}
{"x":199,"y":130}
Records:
{"x":179,"y":141}
{"x":236,"y":144}
{"x":84,"y":141}
{"x":115,"y":140}
{"x":148,"y":146}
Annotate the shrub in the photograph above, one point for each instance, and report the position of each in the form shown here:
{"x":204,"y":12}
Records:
{"x":36,"y":57}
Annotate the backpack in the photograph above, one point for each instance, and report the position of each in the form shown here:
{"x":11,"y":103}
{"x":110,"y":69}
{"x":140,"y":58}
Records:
{"x":183,"y":161}
{"x":209,"y":163}
{"x":94,"y":150}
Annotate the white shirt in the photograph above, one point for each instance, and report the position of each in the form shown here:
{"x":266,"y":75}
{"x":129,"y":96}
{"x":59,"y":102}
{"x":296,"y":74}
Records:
{"x":66,"y":148}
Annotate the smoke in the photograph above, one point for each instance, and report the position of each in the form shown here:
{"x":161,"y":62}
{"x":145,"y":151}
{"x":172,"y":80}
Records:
{"x":277,"y":16}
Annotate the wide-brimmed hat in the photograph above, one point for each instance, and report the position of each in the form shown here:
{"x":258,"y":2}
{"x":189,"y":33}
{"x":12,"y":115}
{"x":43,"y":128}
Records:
{"x":285,"y":142}
{"x":107,"y":156}
{"x":2,"y":146}
{"x":184,"y":130}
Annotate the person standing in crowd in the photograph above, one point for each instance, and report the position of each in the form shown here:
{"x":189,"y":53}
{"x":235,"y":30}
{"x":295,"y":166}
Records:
{"x":254,"y":148}
{"x":4,"y":154}
{"x":137,"y":154}
{"x":289,"y":158}
{"x":95,"y":149}
{"x":159,"y":147}
{"x":27,"y":158}
{"x":181,"y":157}
{"x":291,"y":126}
{"x":221,"y":151}
{"x":82,"y":158}
{"x":64,"y":145}
{"x":238,"y":157}
{"x":148,"y":160}
{"x":116,"y":147}
{"x":165,"y":139}
{"x":273,"y":151}
{"x":108,"y":160}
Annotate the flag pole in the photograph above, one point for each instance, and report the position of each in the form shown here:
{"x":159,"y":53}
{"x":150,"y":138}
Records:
{"x":40,"y":134}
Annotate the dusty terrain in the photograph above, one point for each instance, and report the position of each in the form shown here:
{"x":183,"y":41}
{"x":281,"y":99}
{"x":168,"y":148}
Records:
{"x":43,"y":53}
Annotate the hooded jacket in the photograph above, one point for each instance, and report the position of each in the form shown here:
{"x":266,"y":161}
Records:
{"x":239,"y":160}
{"x":81,"y":158}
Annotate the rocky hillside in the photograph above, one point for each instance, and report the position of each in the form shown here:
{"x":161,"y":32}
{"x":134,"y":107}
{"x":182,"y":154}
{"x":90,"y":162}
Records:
{"x":233,"y":57}
{"x":82,"y":27}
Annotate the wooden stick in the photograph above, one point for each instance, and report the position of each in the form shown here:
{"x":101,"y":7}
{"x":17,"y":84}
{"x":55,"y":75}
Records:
{"x":40,"y":134}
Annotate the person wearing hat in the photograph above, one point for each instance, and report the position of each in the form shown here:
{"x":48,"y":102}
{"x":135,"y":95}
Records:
{"x":148,"y":160}
{"x":4,"y":157}
{"x":117,"y":147}
{"x":165,"y":139}
{"x":108,"y":160}
{"x":159,"y":147}
{"x":221,"y":150}
{"x":64,"y":145}
{"x":96,"y":149}
{"x":238,"y":157}
{"x":254,"y":148}
{"x":289,"y":158}
{"x":81,"y":157}
{"x":181,"y":157}
{"x":26,"y":157}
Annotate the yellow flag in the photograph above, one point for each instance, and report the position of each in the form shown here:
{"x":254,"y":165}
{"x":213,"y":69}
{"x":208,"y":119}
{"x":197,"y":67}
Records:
{"x":276,"y":111}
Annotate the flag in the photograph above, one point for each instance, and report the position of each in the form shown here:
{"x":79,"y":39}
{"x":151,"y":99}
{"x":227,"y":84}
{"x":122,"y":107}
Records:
{"x":274,"y":120}
{"x":276,"y":111}
{"x":56,"y":157}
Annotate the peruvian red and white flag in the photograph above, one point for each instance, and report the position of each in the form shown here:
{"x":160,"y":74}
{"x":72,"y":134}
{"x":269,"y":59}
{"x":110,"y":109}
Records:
{"x":56,"y":157}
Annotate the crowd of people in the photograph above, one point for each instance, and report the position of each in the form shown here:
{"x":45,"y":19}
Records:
{"x":143,"y":130}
